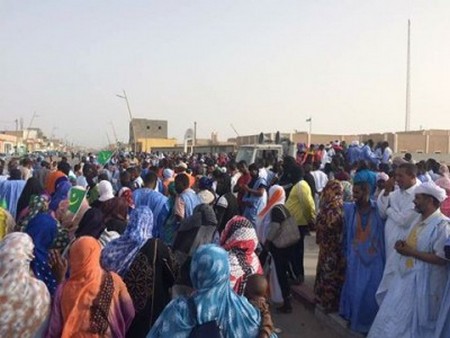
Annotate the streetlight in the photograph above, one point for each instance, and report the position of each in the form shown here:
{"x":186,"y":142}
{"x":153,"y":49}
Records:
{"x":124,"y":96}
{"x":28,"y":129}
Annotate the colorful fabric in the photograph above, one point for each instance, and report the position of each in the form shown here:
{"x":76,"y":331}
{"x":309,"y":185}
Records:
{"x":128,"y":195}
{"x":38,"y":203}
{"x":91,"y":302}
{"x":214,"y":300}
{"x":53,"y":177}
{"x":240,"y":240}
{"x":20,"y":318}
{"x":32,"y":188}
{"x":118,"y":254}
{"x":365,"y":256}
{"x":43,"y":230}
{"x":10,"y":191}
{"x":329,"y":232}
{"x":277,"y":196}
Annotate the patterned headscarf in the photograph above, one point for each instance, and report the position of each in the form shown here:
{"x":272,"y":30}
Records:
{"x":214,"y":300}
{"x":20,"y":318}
{"x":38,"y":203}
{"x":43,"y":230}
{"x":240,"y":240}
{"x":118,"y":254}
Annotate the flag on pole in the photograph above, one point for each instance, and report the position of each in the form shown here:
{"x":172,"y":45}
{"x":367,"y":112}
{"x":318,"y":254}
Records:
{"x":76,"y":197}
{"x":308,"y":120}
{"x":104,"y":156}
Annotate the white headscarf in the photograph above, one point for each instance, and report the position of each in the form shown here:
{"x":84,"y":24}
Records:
{"x":277,"y":196}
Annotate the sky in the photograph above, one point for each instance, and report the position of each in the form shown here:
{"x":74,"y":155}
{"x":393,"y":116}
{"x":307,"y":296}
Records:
{"x":259,"y":65}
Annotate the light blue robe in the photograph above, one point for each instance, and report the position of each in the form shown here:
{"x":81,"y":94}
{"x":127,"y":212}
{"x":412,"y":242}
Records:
{"x":10,"y":191}
{"x":256,"y":204}
{"x":411,"y":305}
{"x":365,"y":265}
{"x":157,"y":202}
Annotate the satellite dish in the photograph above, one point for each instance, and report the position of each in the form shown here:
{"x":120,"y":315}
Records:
{"x":189,"y":134}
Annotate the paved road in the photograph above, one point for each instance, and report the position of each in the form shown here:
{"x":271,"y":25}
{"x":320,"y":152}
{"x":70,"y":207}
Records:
{"x":302,"y":323}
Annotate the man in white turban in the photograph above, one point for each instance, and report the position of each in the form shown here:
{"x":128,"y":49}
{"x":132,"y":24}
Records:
{"x":410,"y":307}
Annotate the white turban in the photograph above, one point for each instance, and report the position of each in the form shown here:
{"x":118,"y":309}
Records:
{"x":206,"y":196}
{"x":382,"y":177}
{"x":430,"y":188}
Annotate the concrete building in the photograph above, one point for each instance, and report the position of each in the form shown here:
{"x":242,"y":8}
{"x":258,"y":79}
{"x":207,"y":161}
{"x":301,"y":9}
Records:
{"x":150,"y":134}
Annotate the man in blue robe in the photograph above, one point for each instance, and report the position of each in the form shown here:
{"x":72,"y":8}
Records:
{"x":364,"y":250}
{"x":156,"y":201}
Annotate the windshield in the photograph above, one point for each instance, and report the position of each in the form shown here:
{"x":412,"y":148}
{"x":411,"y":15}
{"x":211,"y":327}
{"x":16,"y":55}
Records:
{"x":245,"y":154}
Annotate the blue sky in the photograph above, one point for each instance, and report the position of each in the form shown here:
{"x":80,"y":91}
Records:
{"x":259,"y":65}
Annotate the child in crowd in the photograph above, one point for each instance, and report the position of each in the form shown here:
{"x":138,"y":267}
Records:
{"x":256,"y":292}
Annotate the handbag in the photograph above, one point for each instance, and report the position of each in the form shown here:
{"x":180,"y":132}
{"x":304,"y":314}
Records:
{"x":209,"y":329}
{"x":286,"y":233}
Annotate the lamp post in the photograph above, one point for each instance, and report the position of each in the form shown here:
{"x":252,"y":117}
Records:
{"x":310,"y":131}
{"x":124,"y":96}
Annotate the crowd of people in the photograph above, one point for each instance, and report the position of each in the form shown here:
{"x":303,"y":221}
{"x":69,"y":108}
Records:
{"x":181,"y":245}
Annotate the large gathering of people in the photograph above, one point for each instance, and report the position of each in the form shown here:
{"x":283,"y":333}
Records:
{"x":184,"y":245}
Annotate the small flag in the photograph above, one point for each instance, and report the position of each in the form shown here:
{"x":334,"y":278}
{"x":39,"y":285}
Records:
{"x":76,"y":197}
{"x":104,"y":156}
{"x":308,"y":120}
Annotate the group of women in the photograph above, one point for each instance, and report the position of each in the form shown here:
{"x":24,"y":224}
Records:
{"x":101,"y":272}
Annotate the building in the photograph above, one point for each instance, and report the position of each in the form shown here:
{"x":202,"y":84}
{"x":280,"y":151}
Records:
{"x":149,"y":134}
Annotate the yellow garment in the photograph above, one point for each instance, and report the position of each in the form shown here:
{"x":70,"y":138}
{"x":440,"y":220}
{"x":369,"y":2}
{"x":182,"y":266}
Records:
{"x":301,"y":203}
{"x":412,"y":242}
{"x":7,"y":223}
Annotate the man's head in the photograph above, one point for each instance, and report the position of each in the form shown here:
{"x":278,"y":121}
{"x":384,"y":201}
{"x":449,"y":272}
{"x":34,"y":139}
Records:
{"x":405,"y":175}
{"x":428,"y":198}
{"x":231,"y":167}
{"x":181,"y":183}
{"x":125,"y":179}
{"x":64,"y":167}
{"x":370,"y":143}
{"x":254,"y":170}
{"x":361,"y":192}
{"x":242,"y":167}
{"x":150,"y":180}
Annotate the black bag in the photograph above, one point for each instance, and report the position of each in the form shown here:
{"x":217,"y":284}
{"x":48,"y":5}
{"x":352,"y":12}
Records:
{"x":206,"y":330}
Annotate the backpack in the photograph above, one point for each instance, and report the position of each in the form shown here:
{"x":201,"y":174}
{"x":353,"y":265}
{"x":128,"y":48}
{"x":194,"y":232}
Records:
{"x":210,"y":329}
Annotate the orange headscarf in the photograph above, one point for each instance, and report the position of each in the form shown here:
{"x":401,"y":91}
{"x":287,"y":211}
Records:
{"x":276,"y":196}
{"x":80,"y":290}
{"x":51,"y":180}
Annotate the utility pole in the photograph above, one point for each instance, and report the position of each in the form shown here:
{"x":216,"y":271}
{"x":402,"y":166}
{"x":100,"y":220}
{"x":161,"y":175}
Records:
{"x":124,"y":96}
{"x":408,"y":86}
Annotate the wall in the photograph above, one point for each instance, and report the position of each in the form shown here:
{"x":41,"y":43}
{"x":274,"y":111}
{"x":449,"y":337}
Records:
{"x":150,"y":129}
{"x":147,"y":144}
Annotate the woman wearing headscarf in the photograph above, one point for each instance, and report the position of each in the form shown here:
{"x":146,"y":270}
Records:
{"x":226,"y":206}
{"x":444,"y":183}
{"x":276,"y":212}
{"x":213,"y":300}
{"x":43,"y":231}
{"x":91,"y":302}
{"x":61,"y":194}
{"x":37,"y":204}
{"x":145,"y":265}
{"x":240,"y":240}
{"x":329,"y":234}
{"x":20,"y":318}
{"x":115,"y":212}
{"x":33,"y":187}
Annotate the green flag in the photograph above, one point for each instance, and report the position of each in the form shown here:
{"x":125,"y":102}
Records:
{"x":104,"y":156}
{"x":76,"y":196}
